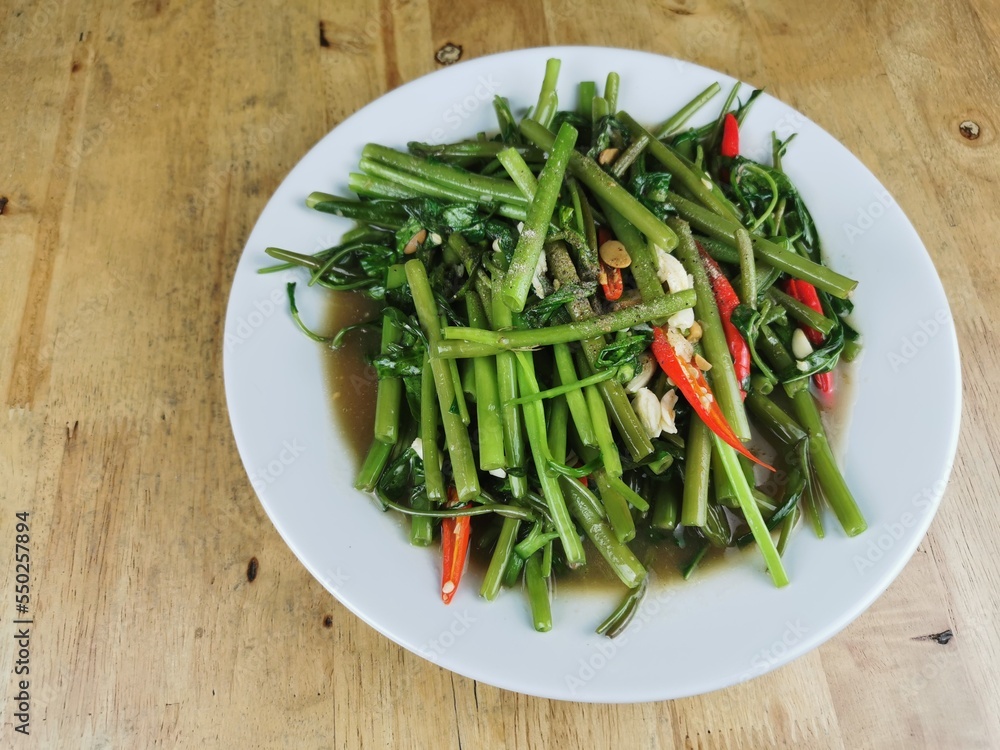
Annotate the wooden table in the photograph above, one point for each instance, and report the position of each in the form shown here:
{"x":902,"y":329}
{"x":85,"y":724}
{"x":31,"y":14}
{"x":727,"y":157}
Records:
{"x":140,"y":143}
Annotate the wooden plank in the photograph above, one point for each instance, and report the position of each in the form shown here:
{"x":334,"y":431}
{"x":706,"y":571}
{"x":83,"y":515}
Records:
{"x":140,"y":145}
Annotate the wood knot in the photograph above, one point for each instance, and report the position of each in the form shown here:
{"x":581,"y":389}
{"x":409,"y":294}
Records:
{"x":252,"y":569}
{"x":323,"y":41}
{"x":969,"y":129}
{"x":449,"y":54}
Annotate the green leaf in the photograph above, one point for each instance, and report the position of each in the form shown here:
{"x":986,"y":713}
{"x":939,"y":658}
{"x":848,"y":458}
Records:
{"x":651,"y":188}
{"x":624,"y":351}
{"x":538,"y":313}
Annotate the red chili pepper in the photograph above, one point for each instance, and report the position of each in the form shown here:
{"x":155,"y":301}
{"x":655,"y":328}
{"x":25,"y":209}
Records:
{"x":611,"y":282}
{"x":805,"y":293}
{"x":609,"y":278}
{"x":693,"y":385}
{"x":455,"y":534}
{"x":726,"y":299}
{"x":730,"y":145}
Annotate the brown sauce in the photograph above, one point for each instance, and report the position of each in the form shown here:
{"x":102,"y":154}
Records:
{"x":351,"y":385}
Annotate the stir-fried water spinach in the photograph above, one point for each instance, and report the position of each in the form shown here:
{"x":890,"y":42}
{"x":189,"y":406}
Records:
{"x":580,"y":319}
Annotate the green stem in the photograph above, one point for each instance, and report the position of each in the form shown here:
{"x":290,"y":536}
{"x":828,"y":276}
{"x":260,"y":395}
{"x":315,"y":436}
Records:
{"x":421,"y":527}
{"x":429,"y":422}
{"x":564,"y":389}
{"x":616,"y":507}
{"x":478,"y":149}
{"x":416,"y":184}
{"x":483,"y":509}
{"x":748,"y":271}
{"x":456,"y":434}
{"x":676,"y":122}
{"x":534,"y":421}
{"x":751,"y":512}
{"x":587,"y":91}
{"x":666,"y":506}
{"x":548,"y":101}
{"x":487,"y":189}
{"x":390,"y":217}
{"x":575,"y":397}
{"x":390,"y":390}
{"x":605,"y":440}
{"x":519,"y":172}
{"x":785,"y":260}
{"x":604,"y":186}
{"x":538,"y":594}
{"x":577,"y":330}
{"x":510,"y":413}
{"x":611,"y":87}
{"x":697,"y":465}
{"x":491,"y":451}
{"x":801,"y":312}
{"x":684,"y":174}
{"x":723,"y":375}
{"x":373,"y":466}
{"x":616,"y":400}
{"x":501,"y":557}
{"x":621,"y":559}
{"x":530,"y":245}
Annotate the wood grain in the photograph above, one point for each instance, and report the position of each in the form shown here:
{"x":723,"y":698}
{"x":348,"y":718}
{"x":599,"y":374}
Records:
{"x":141,"y":141}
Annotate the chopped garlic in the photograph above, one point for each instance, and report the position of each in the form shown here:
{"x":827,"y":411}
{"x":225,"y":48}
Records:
{"x":667,"y":412}
{"x":647,"y":370}
{"x":801,"y":347}
{"x":682,"y":320}
{"x":683,"y":348}
{"x":498,"y":473}
{"x":540,"y":270}
{"x":646,"y":406}
{"x":418,"y":447}
{"x":671,"y":271}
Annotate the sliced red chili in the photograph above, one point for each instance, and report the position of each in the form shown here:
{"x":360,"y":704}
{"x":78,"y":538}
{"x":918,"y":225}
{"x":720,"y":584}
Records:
{"x":611,"y":282}
{"x":727,"y":300}
{"x":609,"y":278}
{"x":730,"y":136}
{"x":691,"y":382}
{"x":455,"y":534}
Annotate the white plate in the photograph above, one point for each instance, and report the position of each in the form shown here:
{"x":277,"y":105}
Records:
{"x":688,"y":639}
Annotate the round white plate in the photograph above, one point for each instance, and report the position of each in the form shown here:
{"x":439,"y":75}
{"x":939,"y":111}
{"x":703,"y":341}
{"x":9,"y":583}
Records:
{"x":715,"y":631}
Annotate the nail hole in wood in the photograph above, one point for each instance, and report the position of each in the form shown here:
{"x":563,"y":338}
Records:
{"x":323,"y":41}
{"x":328,"y":621}
{"x":941,"y":638}
{"x":252,"y":569}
